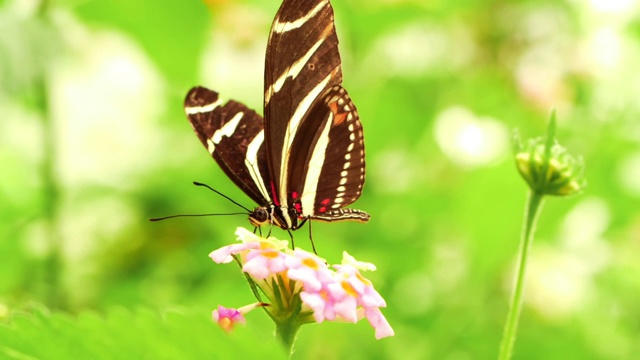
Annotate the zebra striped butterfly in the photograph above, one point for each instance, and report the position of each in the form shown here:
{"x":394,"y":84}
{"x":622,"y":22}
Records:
{"x":305,"y":159}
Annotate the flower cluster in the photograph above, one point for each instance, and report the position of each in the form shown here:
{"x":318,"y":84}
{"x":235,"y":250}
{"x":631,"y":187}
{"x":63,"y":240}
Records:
{"x":300,"y":287}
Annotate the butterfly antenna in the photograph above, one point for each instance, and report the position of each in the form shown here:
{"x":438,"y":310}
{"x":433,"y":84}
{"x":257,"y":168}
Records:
{"x":192,"y":215}
{"x":221,"y":194}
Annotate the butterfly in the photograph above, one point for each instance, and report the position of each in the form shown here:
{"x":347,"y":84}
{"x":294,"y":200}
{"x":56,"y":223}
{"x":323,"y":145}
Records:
{"x":305,"y":159}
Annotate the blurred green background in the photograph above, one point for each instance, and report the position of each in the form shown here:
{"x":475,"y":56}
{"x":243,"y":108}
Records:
{"x":94,"y":141}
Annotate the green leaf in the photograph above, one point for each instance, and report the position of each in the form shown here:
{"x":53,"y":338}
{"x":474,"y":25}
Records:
{"x":125,"y":334}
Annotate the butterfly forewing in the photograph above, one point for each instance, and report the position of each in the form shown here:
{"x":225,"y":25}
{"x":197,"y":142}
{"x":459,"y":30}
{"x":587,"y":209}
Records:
{"x":302,"y":61}
{"x":233,"y":134}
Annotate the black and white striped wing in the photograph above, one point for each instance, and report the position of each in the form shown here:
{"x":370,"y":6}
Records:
{"x":306,"y":159}
{"x":234,"y":135}
{"x":326,"y":163}
{"x":302,"y":62}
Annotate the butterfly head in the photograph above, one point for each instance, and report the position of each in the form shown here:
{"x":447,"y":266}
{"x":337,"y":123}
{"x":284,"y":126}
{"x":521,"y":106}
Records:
{"x":259,"y":216}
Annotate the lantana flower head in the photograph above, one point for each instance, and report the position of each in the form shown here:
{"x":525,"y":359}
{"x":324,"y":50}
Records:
{"x":300,"y":287}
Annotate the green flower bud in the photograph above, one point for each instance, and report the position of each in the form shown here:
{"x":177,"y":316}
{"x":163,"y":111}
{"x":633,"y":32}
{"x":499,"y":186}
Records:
{"x":547,"y":166}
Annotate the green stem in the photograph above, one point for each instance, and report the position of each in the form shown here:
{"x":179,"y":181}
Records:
{"x":534,"y":205}
{"x":286,"y":331}
{"x":53,"y":262}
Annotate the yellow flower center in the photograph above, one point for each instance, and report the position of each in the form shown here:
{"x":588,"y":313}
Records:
{"x":226,"y":324}
{"x":270,"y":254}
{"x":308,"y":262}
{"x":349,"y":289}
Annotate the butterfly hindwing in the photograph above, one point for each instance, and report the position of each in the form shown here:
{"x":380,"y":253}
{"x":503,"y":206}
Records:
{"x":343,"y":172}
{"x":327,"y":157}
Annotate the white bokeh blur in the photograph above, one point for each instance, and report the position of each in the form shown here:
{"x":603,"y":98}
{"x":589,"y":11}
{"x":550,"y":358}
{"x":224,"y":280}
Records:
{"x":469,"y":140}
{"x":106,"y":99}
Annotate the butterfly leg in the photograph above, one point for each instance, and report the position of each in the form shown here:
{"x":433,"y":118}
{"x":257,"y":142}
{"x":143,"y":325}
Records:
{"x":313,"y":245}
{"x":293,"y":244}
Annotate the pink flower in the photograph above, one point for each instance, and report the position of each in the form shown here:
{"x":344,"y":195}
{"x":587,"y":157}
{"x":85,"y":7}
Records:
{"x":308,"y":268}
{"x":360,"y":286}
{"x":330,"y":303}
{"x":261,"y":264}
{"x":249,"y":241}
{"x":223,"y":255}
{"x":379,"y":322}
{"x":340,"y":293}
{"x":227,"y":318}
{"x":345,"y":293}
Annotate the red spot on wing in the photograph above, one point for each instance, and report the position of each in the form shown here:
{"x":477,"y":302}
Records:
{"x":275,"y":195}
{"x":338,"y":116}
{"x":294,"y":194}
{"x":325,"y":201}
{"x":298,"y":207}
{"x":322,"y":209}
